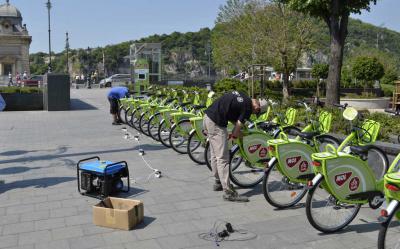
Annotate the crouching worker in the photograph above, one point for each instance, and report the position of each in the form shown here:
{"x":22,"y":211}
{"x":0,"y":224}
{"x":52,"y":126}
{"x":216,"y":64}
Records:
{"x":115,"y":94}
{"x":236,"y":108}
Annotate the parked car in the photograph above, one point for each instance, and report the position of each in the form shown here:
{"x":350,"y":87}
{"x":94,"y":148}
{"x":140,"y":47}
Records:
{"x":33,"y":81}
{"x":115,"y":80}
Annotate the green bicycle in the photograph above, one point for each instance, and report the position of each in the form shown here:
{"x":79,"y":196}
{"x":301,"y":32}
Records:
{"x":285,"y":180}
{"x":346,"y":177}
{"x":390,"y":228}
{"x":249,"y":155}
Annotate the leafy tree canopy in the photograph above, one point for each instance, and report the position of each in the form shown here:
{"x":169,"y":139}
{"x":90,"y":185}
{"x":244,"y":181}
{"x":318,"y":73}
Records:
{"x":367,"y":69}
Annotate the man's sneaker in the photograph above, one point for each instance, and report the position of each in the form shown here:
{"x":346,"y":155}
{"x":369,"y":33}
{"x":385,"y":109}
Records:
{"x":232,"y":195}
{"x":217,"y":187}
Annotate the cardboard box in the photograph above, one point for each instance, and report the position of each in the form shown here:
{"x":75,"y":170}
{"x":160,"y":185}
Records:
{"x":118,"y":213}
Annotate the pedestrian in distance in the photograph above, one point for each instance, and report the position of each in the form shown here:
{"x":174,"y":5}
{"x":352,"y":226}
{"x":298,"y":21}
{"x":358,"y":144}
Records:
{"x":115,"y":94}
{"x":25,"y":75}
{"x":10,"y":81}
{"x":18,"y":78}
{"x":234,"y":107}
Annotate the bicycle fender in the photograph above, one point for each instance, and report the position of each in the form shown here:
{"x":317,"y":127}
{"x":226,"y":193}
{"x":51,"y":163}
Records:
{"x":192,"y":131}
{"x":392,"y":207}
{"x":162,"y":121}
{"x":173,"y":126}
{"x":233,"y":149}
{"x":317,"y":179}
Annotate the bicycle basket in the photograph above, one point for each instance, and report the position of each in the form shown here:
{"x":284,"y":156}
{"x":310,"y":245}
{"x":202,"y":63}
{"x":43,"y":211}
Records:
{"x":290,"y":116}
{"x":325,"y":122}
{"x":372,"y":127}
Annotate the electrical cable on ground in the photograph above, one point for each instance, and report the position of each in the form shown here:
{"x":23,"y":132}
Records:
{"x":217,"y":234}
{"x":156,"y":173}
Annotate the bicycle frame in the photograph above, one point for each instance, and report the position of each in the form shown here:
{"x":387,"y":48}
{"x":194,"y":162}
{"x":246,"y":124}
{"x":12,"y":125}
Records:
{"x":294,"y":155}
{"x":392,"y":189}
{"x":253,"y":145}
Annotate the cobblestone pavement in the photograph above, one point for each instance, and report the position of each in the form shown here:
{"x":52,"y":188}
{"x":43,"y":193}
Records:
{"x":40,"y":206}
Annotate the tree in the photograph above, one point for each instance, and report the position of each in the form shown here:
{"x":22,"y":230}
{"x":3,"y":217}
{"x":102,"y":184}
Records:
{"x":320,"y":71}
{"x":237,"y":40}
{"x":289,"y":35}
{"x":336,"y":14}
{"x":367,"y":69}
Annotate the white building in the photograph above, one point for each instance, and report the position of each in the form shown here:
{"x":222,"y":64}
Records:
{"x":14,"y":41}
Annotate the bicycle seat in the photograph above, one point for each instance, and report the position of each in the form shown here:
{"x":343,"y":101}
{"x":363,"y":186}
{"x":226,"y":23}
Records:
{"x":307,"y":135}
{"x":360,"y":150}
{"x":198,"y":107}
{"x":185,"y":103}
{"x":267,"y":126}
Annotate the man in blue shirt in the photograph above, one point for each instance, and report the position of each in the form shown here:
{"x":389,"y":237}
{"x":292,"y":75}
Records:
{"x":113,"y":96}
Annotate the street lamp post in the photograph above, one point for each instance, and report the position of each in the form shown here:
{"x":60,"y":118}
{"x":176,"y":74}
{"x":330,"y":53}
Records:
{"x":67,"y":50}
{"x":88,"y":78}
{"x":48,"y":5}
{"x":208,"y":51}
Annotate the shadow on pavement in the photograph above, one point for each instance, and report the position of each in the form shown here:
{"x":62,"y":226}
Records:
{"x":79,"y":105}
{"x":16,"y":170}
{"x":150,"y":147}
{"x":257,"y":190}
{"x":146,"y":221}
{"x":16,"y":152}
{"x":37,"y":183}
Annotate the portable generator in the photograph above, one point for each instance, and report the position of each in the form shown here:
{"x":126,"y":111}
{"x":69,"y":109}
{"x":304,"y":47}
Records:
{"x":100,"y":179}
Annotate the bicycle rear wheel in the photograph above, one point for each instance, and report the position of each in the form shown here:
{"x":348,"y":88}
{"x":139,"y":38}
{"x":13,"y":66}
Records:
{"x":388,"y":237}
{"x":279,"y":191}
{"x":325,"y":213}
{"x":178,"y":136}
{"x":242,"y":173}
{"x":377,"y":161}
{"x":195,"y":149}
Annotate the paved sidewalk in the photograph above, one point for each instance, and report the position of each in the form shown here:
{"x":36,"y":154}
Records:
{"x":40,"y":206}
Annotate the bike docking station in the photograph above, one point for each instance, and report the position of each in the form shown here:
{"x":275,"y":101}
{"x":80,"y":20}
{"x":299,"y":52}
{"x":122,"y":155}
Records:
{"x":142,"y":153}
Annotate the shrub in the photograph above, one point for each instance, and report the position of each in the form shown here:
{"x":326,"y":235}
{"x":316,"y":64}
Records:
{"x":14,"y":89}
{"x":225,"y":85}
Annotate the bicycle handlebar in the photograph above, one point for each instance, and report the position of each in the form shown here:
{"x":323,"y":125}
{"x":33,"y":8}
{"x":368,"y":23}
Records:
{"x":344,"y":106}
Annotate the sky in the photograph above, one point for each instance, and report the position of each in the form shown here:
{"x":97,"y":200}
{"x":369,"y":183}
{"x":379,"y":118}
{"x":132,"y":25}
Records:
{"x":96,"y":23}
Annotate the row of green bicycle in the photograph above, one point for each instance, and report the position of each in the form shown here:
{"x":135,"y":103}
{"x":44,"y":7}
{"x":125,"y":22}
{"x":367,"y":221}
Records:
{"x":338,"y":177}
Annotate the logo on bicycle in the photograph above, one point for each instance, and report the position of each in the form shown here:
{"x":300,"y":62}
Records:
{"x":342,"y":178}
{"x":303,"y":166}
{"x":292,"y":161}
{"x":254,"y":148}
{"x":354,"y":183}
{"x":263,"y":152}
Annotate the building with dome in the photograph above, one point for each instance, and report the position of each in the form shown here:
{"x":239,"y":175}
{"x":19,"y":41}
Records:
{"x":14,"y":41}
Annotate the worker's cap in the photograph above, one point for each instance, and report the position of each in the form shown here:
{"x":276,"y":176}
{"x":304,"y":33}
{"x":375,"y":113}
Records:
{"x":263,"y":105}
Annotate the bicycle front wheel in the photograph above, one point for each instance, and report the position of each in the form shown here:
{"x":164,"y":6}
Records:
{"x":143,"y":124}
{"x":388,"y":237}
{"x":178,"y":137}
{"x":327,"y":214}
{"x":279,"y":191}
{"x":163,"y":134}
{"x":135,"y":118}
{"x":152,"y":127}
{"x":242,"y":173}
{"x":195,"y":149}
